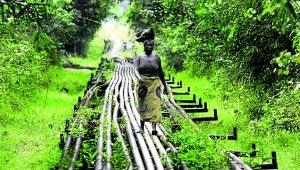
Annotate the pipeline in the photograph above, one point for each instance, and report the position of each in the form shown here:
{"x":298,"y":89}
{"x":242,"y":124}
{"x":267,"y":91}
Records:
{"x":143,"y":147}
{"x":106,"y":112}
{"x":236,"y":163}
{"x":131,"y":139}
{"x":147,"y":157}
{"x":141,"y":150}
{"x":157,"y":142}
{"x":78,"y":120}
{"x":118,"y":129}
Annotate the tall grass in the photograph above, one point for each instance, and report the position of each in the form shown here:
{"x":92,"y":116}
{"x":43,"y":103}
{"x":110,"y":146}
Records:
{"x":232,"y":113}
{"x":94,"y":52}
{"x":30,"y":136}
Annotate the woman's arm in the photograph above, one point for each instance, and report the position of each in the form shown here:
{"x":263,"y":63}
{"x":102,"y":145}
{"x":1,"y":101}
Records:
{"x":162,"y":76}
{"x":137,"y":64}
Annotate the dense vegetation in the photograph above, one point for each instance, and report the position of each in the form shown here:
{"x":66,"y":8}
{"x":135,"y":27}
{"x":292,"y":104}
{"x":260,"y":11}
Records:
{"x":35,"y":35}
{"x":251,"y":45}
{"x":36,"y":95}
{"x":248,"y":51}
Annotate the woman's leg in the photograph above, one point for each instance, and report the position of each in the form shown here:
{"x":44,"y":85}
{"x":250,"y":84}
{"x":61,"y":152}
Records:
{"x":142,"y":126}
{"x":154,"y":132}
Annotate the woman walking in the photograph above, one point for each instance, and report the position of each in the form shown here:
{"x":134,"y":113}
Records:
{"x":150,"y":76}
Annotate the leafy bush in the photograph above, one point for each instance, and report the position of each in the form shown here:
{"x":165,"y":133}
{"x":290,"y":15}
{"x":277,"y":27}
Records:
{"x":254,"y":43}
{"x":193,"y":145}
{"x":282,"y":110}
{"x":22,"y":66}
{"x":87,"y":16}
{"x":30,"y":40}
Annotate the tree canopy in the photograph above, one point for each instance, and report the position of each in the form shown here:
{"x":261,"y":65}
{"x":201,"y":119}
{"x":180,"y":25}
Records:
{"x":251,"y":43}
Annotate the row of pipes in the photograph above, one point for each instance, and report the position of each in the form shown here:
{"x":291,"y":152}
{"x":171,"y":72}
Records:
{"x":147,"y":151}
{"x":92,"y":87}
{"x":142,"y":150}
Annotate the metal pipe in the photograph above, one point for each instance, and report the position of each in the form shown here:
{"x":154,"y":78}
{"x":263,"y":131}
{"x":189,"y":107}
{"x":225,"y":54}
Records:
{"x":109,"y":119}
{"x":144,"y":149}
{"x":134,"y":148}
{"x":66,"y":149}
{"x":172,"y":101}
{"x":148,"y":139}
{"x":76,"y":152}
{"x":149,"y":142}
{"x":101,"y":129}
{"x":118,"y":130}
{"x":239,"y":161}
{"x":79,"y":121}
{"x":133,"y":105}
{"x":163,"y":152}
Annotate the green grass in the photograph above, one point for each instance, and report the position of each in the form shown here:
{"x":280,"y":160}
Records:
{"x":231,"y":114}
{"x":30,"y":138}
{"x":30,"y":134}
{"x":94,"y":52}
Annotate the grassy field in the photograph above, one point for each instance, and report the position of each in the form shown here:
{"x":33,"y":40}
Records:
{"x":30,"y":136}
{"x":94,"y":53}
{"x":230,"y":114}
{"x":30,"y":139}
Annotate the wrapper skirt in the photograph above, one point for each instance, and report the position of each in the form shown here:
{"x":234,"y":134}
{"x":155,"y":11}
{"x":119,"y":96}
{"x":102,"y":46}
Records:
{"x":149,"y":106}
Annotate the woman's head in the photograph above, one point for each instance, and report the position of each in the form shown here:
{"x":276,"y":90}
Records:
{"x":148,"y":46}
{"x":147,"y":34}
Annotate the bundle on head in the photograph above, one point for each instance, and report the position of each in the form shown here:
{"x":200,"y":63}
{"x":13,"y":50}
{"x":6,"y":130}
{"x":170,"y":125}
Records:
{"x":147,"y":34}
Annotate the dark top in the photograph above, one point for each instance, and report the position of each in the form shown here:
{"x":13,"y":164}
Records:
{"x":149,"y":66}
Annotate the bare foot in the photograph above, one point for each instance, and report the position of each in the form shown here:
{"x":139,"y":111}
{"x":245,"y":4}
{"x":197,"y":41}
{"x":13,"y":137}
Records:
{"x":154,"y":132}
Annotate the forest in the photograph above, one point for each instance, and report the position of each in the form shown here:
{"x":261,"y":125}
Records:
{"x":245,"y":55}
{"x":248,"y":45}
